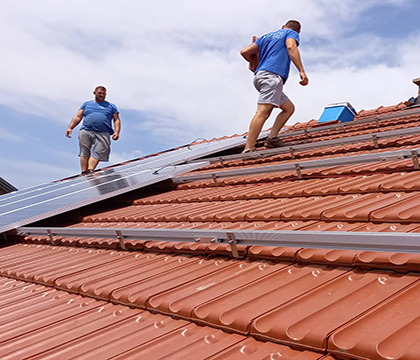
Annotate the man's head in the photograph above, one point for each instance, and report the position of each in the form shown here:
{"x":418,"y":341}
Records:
{"x":100,"y":93}
{"x":292,"y":24}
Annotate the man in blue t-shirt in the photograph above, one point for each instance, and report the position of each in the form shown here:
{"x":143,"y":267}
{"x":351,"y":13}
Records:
{"x":96,"y":131}
{"x":273,"y":53}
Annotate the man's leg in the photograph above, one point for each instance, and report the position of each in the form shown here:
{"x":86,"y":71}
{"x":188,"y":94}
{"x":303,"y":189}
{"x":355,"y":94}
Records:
{"x":84,"y":160}
{"x":257,"y":122}
{"x":287,"y":111}
{"x":92,"y":163}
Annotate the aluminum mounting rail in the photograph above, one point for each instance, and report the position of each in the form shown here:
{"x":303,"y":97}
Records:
{"x":374,"y":137}
{"x":303,"y":165}
{"x":363,"y":241}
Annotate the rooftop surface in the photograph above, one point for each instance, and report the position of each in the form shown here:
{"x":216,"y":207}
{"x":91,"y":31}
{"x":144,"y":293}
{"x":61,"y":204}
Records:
{"x":109,"y":297}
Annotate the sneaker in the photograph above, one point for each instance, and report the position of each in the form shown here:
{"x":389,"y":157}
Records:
{"x":273,"y":142}
{"x":87,"y":172}
{"x":249,"y":150}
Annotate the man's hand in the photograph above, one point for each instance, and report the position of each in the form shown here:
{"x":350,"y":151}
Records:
{"x":303,"y":79}
{"x":115,"y":136}
{"x":68,"y":133}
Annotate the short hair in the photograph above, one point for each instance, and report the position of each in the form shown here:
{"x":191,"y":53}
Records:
{"x":293,"y":24}
{"x":100,"y":87}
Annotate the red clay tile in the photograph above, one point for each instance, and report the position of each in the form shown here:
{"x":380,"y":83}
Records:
{"x":236,"y":310}
{"x":315,"y":208}
{"x":323,"y":187}
{"x":221,"y":211}
{"x":400,"y":262}
{"x":182,"y":300}
{"x":89,"y":319}
{"x":332,"y":226}
{"x":101,"y":287}
{"x":402,"y":182}
{"x":327,"y":256}
{"x":287,"y":225}
{"x":123,"y":261}
{"x":159,"y":246}
{"x":190,"y":248}
{"x":184,"y":343}
{"x":33,"y":313}
{"x":251,"y":349}
{"x":387,"y":227}
{"x":226,"y":250}
{"x":271,"y":209}
{"x":390,"y":331}
{"x":241,"y":210}
{"x":272,"y":253}
{"x":139,"y":287}
{"x":363,"y":207}
{"x":363,"y":184}
{"x":115,"y":339}
{"x":308,"y":320}
{"x":48,"y":274}
{"x":404,"y":211}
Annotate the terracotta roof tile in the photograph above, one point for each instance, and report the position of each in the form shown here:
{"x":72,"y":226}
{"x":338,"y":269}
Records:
{"x":400,"y":262}
{"x":309,"y":320}
{"x":236,"y":310}
{"x":183,"y":299}
{"x":327,"y":256}
{"x":402,"y":211}
{"x":380,"y":333}
{"x":361,"y":208}
{"x":252,"y":350}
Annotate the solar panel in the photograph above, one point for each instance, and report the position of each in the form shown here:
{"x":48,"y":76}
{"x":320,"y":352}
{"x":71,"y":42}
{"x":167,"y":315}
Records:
{"x":80,"y":192}
{"x":40,"y":202}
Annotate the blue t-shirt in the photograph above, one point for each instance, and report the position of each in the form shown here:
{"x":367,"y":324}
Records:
{"x":274,"y":56}
{"x":98,"y":116}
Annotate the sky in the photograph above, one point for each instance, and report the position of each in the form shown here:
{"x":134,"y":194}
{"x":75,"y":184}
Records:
{"x":174,"y":70}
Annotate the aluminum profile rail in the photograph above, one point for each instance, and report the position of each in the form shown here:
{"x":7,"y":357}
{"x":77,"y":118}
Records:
{"x":363,"y":241}
{"x":375,"y":137}
{"x":303,"y":165}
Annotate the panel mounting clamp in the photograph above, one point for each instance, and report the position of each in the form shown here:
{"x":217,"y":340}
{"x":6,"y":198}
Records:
{"x":298,"y":171}
{"x":292,"y":152}
{"x":375,"y":141}
{"x":232,"y":242}
{"x":120,"y":238}
{"x":50,"y":235}
{"x":415,"y":158}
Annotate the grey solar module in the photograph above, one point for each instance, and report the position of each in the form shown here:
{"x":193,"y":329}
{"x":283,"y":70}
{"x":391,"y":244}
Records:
{"x":40,"y":202}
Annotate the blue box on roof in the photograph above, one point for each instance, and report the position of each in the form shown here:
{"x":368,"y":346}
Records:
{"x":339,"y":111}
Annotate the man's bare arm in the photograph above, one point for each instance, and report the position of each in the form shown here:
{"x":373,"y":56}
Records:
{"x":295,"y":57}
{"x":249,"y":50}
{"x":117,"y":126}
{"x":74,"y":122}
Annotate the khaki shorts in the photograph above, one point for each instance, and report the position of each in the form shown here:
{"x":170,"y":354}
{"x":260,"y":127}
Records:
{"x":94,"y":144}
{"x":270,"y":87}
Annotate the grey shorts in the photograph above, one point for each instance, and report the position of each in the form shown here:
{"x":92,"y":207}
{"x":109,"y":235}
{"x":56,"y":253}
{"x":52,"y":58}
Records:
{"x":94,"y":144}
{"x":270,"y":87}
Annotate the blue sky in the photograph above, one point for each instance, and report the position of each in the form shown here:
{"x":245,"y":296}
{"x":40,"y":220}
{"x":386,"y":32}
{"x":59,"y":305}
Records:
{"x":174,"y":70}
